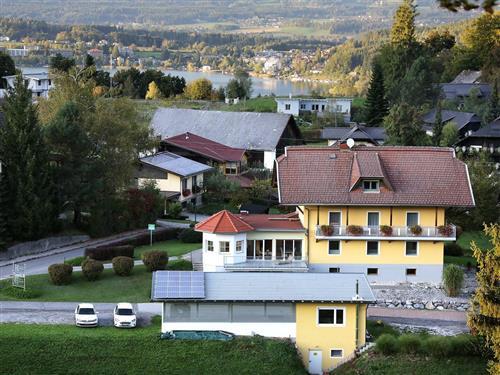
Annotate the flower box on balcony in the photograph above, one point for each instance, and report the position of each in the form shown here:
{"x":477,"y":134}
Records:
{"x":355,"y":230}
{"x":416,"y":230}
{"x":386,"y":230}
{"x":186,"y":193}
{"x":445,"y":230}
{"x":326,"y":230}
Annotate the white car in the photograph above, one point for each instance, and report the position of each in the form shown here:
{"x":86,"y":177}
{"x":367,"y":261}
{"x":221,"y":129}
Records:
{"x":86,"y":316}
{"x":124,"y":316}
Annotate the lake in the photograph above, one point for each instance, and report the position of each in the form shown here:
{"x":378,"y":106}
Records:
{"x":261,"y":86}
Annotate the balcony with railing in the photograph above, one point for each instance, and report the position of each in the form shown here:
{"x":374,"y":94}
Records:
{"x":385,"y":232}
{"x":236,"y":263}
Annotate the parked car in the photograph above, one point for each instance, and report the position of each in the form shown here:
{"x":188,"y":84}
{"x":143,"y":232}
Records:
{"x":86,"y":316}
{"x":124,"y":316}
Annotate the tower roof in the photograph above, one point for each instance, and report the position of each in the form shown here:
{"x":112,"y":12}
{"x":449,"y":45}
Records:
{"x":224,"y":222}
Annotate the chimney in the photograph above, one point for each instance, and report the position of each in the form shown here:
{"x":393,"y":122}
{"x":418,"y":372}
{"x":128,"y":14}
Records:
{"x":344,"y":146}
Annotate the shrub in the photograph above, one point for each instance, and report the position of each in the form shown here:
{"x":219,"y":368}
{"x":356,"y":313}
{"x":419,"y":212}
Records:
{"x":386,"y":230}
{"x":355,"y":230}
{"x":180,"y":265}
{"x":189,"y":235}
{"x":386,"y":344}
{"x":416,"y":230}
{"x":92,"y":269}
{"x":155,"y":260}
{"x":453,"y":279}
{"x":19,"y":293}
{"x":466,"y":345}
{"x":109,"y":252}
{"x":437,"y":346}
{"x":60,"y":274}
{"x":123,"y":265}
{"x":453,"y":249}
{"x":409,"y":344}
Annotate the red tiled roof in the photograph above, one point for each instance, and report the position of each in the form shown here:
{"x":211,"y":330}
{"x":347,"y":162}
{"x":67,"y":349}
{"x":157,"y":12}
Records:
{"x":412,"y":176}
{"x":206,"y":147}
{"x":223,"y":222}
{"x":273,"y":222}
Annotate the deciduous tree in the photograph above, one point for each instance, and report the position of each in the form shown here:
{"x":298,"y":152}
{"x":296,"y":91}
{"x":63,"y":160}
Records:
{"x":153,"y":91}
{"x":449,"y":135}
{"x":199,"y":89}
{"x":403,"y":126}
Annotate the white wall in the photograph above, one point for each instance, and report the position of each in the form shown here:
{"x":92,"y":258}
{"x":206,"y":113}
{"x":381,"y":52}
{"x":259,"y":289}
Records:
{"x":285,"y":330}
{"x":213,"y":261}
{"x":269,"y":158}
{"x":293,"y":103}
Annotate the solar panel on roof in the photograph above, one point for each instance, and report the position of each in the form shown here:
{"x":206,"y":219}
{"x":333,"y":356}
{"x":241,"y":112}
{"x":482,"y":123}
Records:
{"x":180,"y":285}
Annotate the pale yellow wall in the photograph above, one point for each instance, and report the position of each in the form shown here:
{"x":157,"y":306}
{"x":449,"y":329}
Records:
{"x":390,"y":252}
{"x":172,"y":182}
{"x":310,"y":335}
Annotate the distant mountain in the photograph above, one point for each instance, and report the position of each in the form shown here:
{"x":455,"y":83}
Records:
{"x":341,"y":17}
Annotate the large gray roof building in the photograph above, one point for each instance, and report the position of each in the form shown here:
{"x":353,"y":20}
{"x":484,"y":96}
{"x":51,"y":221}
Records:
{"x":176,"y":164}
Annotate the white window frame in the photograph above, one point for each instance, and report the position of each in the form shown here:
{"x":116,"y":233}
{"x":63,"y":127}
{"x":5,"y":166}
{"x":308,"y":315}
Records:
{"x":418,"y":249}
{"x":412,"y":212}
{"x":335,"y":316}
{"x":340,"y":248}
{"x":378,"y":249}
{"x":373,"y":212}
{"x":377,"y":190}
{"x":336,"y":356}
{"x":240,"y":244}
{"x":228,"y":249}
{"x":209,"y":244}
{"x":371,"y":274}
{"x":332,"y":212}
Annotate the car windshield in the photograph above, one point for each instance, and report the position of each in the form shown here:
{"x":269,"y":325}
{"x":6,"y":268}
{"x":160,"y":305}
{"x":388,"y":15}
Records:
{"x":124,"y":312}
{"x":86,"y":311}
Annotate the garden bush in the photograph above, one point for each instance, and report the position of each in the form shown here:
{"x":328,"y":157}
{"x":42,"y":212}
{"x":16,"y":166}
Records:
{"x":409,"y":343}
{"x":453,"y":249}
{"x":160,"y":234}
{"x":180,"y":265}
{"x":123,"y":265}
{"x":386,"y":344}
{"x":466,"y":345}
{"x":75,"y":262}
{"x":189,"y":235}
{"x":437,"y":346}
{"x":109,"y":252}
{"x":453,"y":279}
{"x":92,"y":269}
{"x":19,"y":293}
{"x":60,"y":274}
{"x":155,"y":260}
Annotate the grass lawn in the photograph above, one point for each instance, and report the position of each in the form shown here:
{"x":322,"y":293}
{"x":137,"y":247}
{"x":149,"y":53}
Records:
{"x":461,"y":261}
{"x":109,"y":288}
{"x":478,"y":237}
{"x":172,"y":247}
{"x":57,"y":349}
{"x":377,"y":328}
{"x":397,"y":364}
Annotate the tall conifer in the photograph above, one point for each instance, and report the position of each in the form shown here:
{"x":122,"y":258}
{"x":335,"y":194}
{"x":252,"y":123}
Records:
{"x":376,"y":106}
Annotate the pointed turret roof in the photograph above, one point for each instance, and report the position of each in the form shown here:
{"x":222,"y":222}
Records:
{"x":224,"y":222}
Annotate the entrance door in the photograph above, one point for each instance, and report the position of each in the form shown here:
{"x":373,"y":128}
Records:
{"x":315,"y":359}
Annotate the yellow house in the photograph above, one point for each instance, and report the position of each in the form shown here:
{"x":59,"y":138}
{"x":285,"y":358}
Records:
{"x":379,"y":211}
{"x":323,"y":314}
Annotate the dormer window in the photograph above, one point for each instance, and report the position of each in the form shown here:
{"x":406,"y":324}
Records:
{"x":371,"y":186}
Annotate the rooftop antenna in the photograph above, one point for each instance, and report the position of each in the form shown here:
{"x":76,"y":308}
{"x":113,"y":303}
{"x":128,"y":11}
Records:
{"x":350,"y":142}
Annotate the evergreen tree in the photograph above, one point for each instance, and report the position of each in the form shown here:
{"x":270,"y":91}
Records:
{"x":376,"y":106}
{"x":403,"y":27}
{"x":4,"y":235}
{"x":417,"y":86}
{"x":7,"y":68}
{"x":438,"y":124}
{"x":28,"y":201}
{"x":61,"y":63}
{"x":403,"y":126}
{"x":449,"y":135}
{"x":494,"y":106}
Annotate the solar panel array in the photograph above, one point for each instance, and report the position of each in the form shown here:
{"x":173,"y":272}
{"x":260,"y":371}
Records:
{"x":180,"y":285}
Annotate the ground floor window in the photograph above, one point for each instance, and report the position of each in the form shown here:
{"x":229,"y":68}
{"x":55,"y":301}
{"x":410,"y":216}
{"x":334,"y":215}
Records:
{"x":411,"y":248}
{"x":239,"y":246}
{"x":210,"y":246}
{"x":333,"y":247}
{"x":411,"y":272}
{"x":289,"y":249}
{"x":259,"y":249}
{"x":336,"y":353}
{"x":281,"y":250}
{"x":330,"y":316}
{"x":224,"y":246}
{"x":334,"y":270}
{"x":372,"y":271}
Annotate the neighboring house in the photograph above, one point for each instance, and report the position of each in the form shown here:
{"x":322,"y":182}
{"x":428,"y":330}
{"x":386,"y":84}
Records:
{"x":460,"y":91}
{"x":247,"y":242}
{"x":375,"y":210}
{"x":96,"y":53}
{"x":486,"y":138}
{"x":18,"y":52}
{"x":468,"y":76}
{"x":230,"y":161}
{"x":38,"y":83}
{"x":178,"y":178}
{"x":263,"y":135}
{"x":362,"y":135}
{"x":324,"y":314}
{"x":295,"y":106}
{"x":466,"y":122}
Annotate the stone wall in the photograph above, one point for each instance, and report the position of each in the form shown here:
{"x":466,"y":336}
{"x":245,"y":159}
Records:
{"x":423,"y":305}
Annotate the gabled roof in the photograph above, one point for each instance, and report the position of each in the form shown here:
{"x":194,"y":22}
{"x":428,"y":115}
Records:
{"x":270,"y":286}
{"x":176,"y":164}
{"x":492,"y":130}
{"x":205,"y":147}
{"x":452,"y":90}
{"x":417,"y":176}
{"x":373,"y":134}
{"x":461,"y":119}
{"x":223,"y":222}
{"x":244,"y":130}
{"x":467,"y":76}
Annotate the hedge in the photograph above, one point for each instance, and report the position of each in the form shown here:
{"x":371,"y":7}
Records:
{"x":92,"y":269}
{"x":155,"y":260}
{"x":453,"y":249}
{"x":180,"y":265}
{"x":123,"y":265}
{"x":109,"y":252}
{"x":189,"y":235}
{"x":60,"y":273}
{"x":387,"y":344}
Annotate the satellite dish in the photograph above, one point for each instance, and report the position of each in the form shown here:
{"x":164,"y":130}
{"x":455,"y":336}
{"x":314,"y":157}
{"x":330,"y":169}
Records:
{"x":350,"y":142}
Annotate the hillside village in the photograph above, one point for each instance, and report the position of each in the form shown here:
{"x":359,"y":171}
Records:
{"x":203,"y":229}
